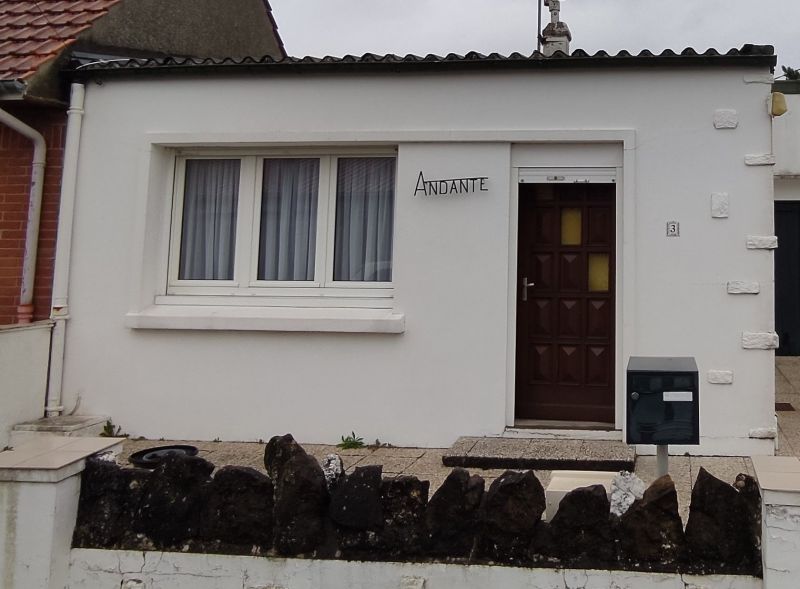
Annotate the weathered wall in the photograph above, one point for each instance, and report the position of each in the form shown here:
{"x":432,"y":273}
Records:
{"x":16,"y":152}
{"x":448,"y":374}
{"x":786,"y":139}
{"x":24,"y":357}
{"x":98,"y":569}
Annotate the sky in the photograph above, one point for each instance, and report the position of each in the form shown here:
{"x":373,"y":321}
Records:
{"x":339,"y":27}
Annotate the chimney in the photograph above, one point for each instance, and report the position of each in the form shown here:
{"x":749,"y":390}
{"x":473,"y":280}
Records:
{"x":556,"y":35}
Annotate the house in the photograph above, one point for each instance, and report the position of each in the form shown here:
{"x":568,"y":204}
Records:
{"x":422,"y":248}
{"x":37,"y":40}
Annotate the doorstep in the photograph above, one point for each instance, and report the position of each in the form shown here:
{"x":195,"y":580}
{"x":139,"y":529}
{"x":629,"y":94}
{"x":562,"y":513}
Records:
{"x":540,"y":454}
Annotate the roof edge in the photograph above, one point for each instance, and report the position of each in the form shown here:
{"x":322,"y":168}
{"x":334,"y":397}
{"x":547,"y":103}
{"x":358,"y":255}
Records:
{"x":275,"y":32}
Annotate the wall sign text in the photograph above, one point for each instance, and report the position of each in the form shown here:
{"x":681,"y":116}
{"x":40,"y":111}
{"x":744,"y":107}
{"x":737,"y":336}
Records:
{"x":450,"y":186}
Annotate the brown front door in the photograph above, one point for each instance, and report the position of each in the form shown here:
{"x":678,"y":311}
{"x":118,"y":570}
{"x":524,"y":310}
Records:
{"x":565,"y":302}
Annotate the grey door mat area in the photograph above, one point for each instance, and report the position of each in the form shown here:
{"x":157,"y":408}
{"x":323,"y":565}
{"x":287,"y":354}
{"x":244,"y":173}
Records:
{"x":540,"y":454}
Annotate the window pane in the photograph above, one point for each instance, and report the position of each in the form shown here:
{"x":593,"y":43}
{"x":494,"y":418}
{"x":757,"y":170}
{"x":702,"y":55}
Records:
{"x":570,"y":226}
{"x":598,"y":272}
{"x":364,"y":219}
{"x":287,"y":241}
{"x":208,"y":230}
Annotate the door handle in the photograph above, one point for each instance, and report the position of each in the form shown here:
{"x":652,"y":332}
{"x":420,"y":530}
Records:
{"x":525,"y":286}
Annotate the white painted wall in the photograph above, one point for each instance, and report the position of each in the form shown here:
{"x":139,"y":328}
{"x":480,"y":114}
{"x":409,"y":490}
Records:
{"x":447,"y":374}
{"x":24,"y":357}
{"x":786,"y":138}
{"x":98,"y":569}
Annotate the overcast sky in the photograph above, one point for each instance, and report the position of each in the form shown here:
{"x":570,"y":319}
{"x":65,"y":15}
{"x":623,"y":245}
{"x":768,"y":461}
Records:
{"x":338,"y":27}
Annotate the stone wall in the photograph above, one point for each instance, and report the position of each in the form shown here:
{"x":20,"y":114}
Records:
{"x":301,"y":510}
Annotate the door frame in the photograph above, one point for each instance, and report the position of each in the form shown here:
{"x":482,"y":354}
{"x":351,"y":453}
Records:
{"x":625,"y":264}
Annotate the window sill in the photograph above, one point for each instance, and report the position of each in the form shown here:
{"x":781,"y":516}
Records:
{"x":222,"y":318}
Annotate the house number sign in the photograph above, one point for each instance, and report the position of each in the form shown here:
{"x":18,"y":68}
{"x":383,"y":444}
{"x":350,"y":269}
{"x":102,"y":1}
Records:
{"x":450,"y":186}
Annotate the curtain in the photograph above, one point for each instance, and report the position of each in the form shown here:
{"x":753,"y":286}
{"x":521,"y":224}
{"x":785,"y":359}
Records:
{"x":287,"y":245}
{"x":364,"y":219}
{"x":208,"y":231}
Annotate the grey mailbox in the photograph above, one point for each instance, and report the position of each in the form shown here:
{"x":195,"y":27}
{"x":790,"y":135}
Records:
{"x":663,"y":403}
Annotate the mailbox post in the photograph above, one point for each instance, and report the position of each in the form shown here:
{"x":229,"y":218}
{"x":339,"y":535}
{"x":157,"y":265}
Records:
{"x":663,"y":404}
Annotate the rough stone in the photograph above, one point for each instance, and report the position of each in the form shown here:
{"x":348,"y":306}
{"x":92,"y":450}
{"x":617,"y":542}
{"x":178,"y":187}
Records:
{"x":743,"y":287}
{"x":172,"y":500}
{"x":720,"y":205}
{"x":511,"y":510}
{"x":356,"y":510}
{"x":404,"y":499}
{"x":759,"y":341}
{"x":625,"y":489}
{"x":720,"y":533}
{"x":726,"y":118}
{"x":763,"y":433}
{"x":720,"y":376}
{"x":109,"y":500}
{"x":651,"y":531}
{"x":333,"y":467}
{"x":762,"y":242}
{"x":301,"y":497}
{"x":581,"y":533}
{"x":238,"y":514}
{"x":451,"y":517}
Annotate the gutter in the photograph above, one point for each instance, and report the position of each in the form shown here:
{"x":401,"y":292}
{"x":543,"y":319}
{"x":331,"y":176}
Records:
{"x":60,"y":309}
{"x":25,"y":309}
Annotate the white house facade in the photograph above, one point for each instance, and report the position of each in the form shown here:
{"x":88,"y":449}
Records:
{"x":417,"y":250}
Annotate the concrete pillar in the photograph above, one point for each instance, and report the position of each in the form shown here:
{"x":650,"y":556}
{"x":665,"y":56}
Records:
{"x":39,"y":490}
{"x":779,"y":481}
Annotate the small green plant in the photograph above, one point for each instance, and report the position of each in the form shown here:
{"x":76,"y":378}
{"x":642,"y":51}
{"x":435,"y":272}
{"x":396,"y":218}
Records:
{"x":350,"y":442}
{"x":112,"y":431}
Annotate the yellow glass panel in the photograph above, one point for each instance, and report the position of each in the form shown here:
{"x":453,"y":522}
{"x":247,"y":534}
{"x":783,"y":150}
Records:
{"x":598,"y":272}
{"x":570,"y":226}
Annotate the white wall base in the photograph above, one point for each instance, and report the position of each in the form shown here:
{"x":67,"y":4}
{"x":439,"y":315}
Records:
{"x":101,"y":569}
{"x":717,"y":447}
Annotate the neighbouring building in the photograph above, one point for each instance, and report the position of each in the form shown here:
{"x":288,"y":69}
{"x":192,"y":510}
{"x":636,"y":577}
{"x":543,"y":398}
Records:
{"x":416,"y":249}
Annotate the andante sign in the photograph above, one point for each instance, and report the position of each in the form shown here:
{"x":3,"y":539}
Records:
{"x":450,"y":186}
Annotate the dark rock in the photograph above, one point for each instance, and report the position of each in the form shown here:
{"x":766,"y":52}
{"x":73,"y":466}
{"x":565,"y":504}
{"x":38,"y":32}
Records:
{"x":651,"y":531}
{"x":750,"y":493}
{"x":581,"y":530}
{"x":356,"y":511}
{"x":301,"y":497}
{"x":238,"y":514}
{"x":451,"y":518}
{"x":403,"y":499}
{"x":173,"y":499}
{"x":511,"y":510}
{"x":333,"y":468}
{"x":109,"y":500}
{"x":720,"y":532}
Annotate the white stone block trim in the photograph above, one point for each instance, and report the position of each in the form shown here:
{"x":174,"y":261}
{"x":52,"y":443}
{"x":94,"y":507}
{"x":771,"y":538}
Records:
{"x":763,"y":159}
{"x":763,"y":433}
{"x":720,"y":205}
{"x":100,"y":569}
{"x":762,"y":242}
{"x":759,"y":340}
{"x":720,"y":376}
{"x":743,"y":287}
{"x":759,"y":79}
{"x":726,"y":118}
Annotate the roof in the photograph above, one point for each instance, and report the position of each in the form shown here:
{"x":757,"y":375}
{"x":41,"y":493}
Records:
{"x":748,"y":55}
{"x":32,"y":33}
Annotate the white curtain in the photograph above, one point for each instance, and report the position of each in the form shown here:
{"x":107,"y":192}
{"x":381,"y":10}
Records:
{"x":288,"y":219}
{"x":364,"y":219}
{"x":208,"y":232}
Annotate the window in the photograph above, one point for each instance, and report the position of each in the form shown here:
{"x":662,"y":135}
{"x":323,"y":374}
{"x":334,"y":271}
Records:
{"x":281,"y":225}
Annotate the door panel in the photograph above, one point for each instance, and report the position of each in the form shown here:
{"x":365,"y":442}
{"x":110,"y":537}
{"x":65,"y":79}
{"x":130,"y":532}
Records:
{"x":565,"y":319}
{"x":787,"y":277}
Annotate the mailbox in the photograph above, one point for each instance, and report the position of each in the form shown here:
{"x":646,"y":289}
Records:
{"x":663,"y":404}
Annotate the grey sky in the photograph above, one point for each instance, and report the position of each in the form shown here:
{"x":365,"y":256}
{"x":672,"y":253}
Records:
{"x":337,"y":27}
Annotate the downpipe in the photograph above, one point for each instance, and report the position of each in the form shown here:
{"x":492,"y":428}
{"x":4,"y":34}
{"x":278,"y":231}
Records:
{"x":59,"y":312}
{"x":25,"y":308}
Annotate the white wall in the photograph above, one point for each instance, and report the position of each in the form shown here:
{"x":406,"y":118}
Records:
{"x":786,"y":138}
{"x":24,"y":357}
{"x":98,"y":569}
{"x":446,"y":375}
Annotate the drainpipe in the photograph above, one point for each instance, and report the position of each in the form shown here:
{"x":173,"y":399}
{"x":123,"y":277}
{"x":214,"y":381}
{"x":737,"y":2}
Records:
{"x":25,"y":309}
{"x":60,"y":311}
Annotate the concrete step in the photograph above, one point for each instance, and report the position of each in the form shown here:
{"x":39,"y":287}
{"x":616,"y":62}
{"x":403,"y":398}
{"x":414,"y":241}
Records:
{"x":64,"y":425}
{"x":602,"y":455}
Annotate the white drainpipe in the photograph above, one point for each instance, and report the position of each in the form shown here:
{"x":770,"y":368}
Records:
{"x":25,"y":309}
{"x":60,"y":311}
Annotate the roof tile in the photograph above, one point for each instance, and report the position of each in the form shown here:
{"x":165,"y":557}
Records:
{"x":32,"y":33}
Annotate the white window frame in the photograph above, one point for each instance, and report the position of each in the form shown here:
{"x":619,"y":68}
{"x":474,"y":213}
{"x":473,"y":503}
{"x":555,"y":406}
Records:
{"x":245,"y":288}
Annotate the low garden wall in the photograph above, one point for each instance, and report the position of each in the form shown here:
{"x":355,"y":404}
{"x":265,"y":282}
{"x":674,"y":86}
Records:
{"x":300,"y":511}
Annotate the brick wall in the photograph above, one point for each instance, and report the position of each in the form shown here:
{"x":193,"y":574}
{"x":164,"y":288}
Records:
{"x":16,"y":152}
